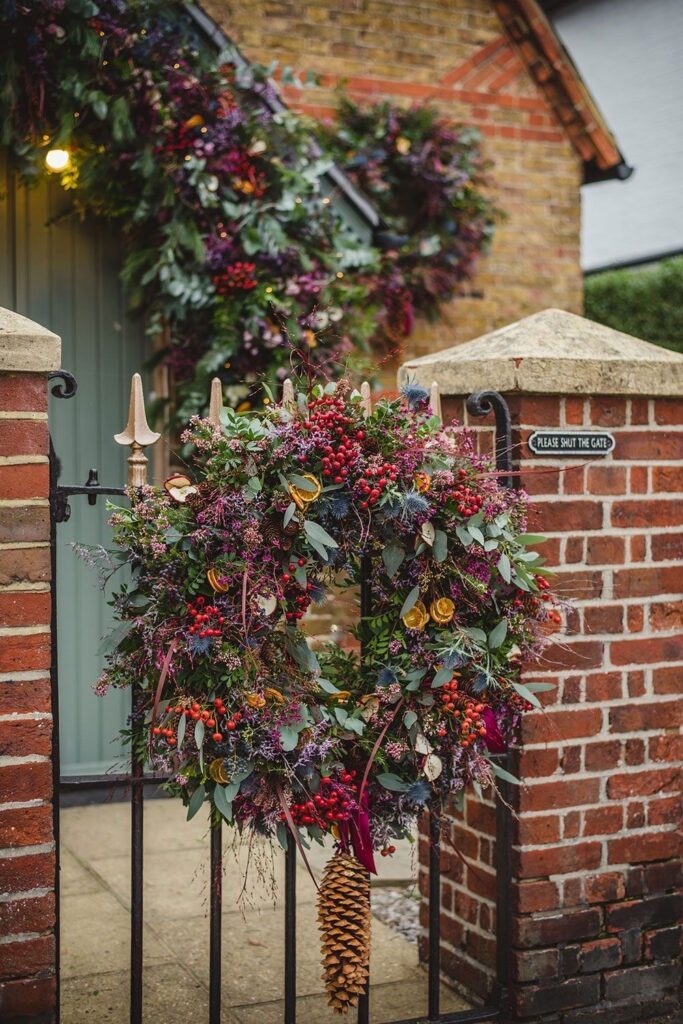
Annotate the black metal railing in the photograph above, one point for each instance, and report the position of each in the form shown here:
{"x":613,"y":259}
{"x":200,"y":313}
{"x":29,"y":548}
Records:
{"x":479,"y":404}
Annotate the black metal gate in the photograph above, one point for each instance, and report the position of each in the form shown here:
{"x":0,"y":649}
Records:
{"x":481,"y":403}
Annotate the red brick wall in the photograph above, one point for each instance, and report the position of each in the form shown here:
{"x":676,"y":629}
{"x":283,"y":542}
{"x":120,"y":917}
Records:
{"x":455,"y":55}
{"x":27,"y":852}
{"x":596,"y":860}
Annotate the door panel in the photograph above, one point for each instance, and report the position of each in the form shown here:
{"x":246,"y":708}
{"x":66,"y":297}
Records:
{"x":63,"y":272}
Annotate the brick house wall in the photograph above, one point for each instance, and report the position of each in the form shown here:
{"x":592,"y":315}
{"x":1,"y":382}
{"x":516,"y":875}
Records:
{"x":27,"y":849}
{"x":456,"y":55}
{"x":595,"y":894}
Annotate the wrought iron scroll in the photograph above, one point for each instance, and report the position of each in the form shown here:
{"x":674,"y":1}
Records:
{"x":481,"y":403}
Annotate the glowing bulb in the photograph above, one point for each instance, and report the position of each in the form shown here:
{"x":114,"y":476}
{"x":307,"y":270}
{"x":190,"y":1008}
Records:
{"x":57,"y":159}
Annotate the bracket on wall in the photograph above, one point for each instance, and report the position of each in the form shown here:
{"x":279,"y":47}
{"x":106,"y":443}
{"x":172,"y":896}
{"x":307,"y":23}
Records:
{"x":59,"y":495}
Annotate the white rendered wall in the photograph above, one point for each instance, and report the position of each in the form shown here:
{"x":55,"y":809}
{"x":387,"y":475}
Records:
{"x":630,"y":53}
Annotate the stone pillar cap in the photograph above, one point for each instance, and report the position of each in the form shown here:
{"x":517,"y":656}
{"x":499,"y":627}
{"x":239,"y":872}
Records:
{"x":552,"y":353}
{"x":26,"y":346}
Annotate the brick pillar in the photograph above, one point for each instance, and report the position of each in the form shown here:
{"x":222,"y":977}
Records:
{"x":596,"y":859}
{"x":27,"y":849}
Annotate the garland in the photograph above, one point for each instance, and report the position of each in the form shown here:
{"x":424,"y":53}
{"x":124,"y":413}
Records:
{"x":236,"y":705}
{"x":427,"y":180}
{"x":231,"y":243}
{"x":232,"y":249}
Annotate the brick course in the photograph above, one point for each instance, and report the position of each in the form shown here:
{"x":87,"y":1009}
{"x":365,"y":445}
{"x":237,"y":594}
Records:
{"x":27,"y":854}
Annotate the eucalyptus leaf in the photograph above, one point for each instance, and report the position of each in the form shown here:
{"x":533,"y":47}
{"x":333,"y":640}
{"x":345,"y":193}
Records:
{"x":498,"y":634}
{"x":444,"y":675}
{"x":464,"y":536}
{"x":410,"y":601}
{"x":289,"y":512}
{"x":393,"y":782}
{"x":302,"y":483}
{"x":224,"y":805}
{"x":288,"y":737}
{"x":393,"y":554}
{"x":182,"y":723}
{"x":440,"y":546}
{"x":315,"y":532}
{"x":527,"y":694}
{"x":504,"y":567}
{"x":409,"y":719}
{"x":196,"y":801}
{"x":504,"y":775}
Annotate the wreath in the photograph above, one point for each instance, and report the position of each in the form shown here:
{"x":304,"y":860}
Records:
{"x":427,"y":178}
{"x":277,"y":737}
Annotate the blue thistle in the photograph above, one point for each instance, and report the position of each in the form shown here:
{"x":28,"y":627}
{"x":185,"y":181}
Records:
{"x":317,"y":593}
{"x":414,"y":394}
{"x":419,"y":793}
{"x":200,"y":644}
{"x":414,"y":505}
{"x":338,"y":505}
{"x":386,"y":677}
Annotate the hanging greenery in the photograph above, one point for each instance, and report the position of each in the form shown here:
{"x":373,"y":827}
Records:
{"x":232,"y":245}
{"x":234,"y":252}
{"x":427,"y":180}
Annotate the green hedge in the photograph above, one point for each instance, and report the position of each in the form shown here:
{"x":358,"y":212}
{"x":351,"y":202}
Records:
{"x":647,"y":303}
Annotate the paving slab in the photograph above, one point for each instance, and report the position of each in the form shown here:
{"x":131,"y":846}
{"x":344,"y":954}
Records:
{"x":395,"y":1001}
{"x":255,"y":943}
{"x":170,"y":996}
{"x":176,"y":883}
{"x":74,"y":878}
{"x":95,"y":936}
{"x":104,"y":829}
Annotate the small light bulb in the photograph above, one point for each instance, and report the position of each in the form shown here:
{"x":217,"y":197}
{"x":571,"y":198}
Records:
{"x":326,"y":201}
{"x":57,"y":159}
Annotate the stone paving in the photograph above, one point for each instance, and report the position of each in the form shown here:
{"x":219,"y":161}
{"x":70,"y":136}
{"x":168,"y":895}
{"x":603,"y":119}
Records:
{"x":95,"y":917}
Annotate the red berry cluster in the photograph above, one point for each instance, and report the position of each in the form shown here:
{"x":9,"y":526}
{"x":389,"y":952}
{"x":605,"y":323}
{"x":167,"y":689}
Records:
{"x":165,"y":733}
{"x":327,"y":807}
{"x":387,"y":851}
{"x":206,"y":618}
{"x":374,"y":482}
{"x":196,"y":713}
{"x":465,"y":714}
{"x":327,"y":414}
{"x":297,"y":598}
{"x":235,"y":275}
{"x":469,"y":502}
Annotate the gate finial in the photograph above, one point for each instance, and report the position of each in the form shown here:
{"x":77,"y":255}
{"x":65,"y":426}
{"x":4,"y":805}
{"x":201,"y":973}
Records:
{"x":366,"y":399}
{"x":137,"y":435}
{"x":435,"y":400}
{"x":288,"y":400}
{"x":216,"y":402}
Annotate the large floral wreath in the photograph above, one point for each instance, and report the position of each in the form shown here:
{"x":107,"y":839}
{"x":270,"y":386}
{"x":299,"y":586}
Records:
{"x":239,"y":708}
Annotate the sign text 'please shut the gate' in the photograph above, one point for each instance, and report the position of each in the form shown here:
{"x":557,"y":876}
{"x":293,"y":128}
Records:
{"x":569,"y":443}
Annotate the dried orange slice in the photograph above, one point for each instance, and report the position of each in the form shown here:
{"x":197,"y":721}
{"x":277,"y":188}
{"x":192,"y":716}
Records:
{"x":255,"y":700}
{"x":423,"y":482}
{"x":215,"y":582}
{"x":442,"y":611}
{"x":302,"y":497}
{"x":417,"y":617}
{"x":217,"y":771}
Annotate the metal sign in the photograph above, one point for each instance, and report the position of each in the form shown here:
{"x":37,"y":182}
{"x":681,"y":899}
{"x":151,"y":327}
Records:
{"x":568,"y":443}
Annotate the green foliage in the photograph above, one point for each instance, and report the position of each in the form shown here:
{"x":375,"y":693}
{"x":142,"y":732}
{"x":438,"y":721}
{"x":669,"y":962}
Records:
{"x":646,"y":302}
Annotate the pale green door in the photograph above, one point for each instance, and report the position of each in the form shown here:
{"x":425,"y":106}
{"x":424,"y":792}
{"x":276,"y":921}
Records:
{"x":64,"y":273}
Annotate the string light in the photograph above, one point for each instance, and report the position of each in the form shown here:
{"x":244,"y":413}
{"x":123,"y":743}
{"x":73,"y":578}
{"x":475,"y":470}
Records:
{"x":57,"y":159}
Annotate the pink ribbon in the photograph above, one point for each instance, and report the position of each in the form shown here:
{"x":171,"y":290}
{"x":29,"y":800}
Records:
{"x":494,"y":739}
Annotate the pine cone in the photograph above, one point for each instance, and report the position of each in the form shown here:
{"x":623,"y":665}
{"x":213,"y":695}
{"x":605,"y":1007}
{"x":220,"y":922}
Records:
{"x":344,"y":921}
